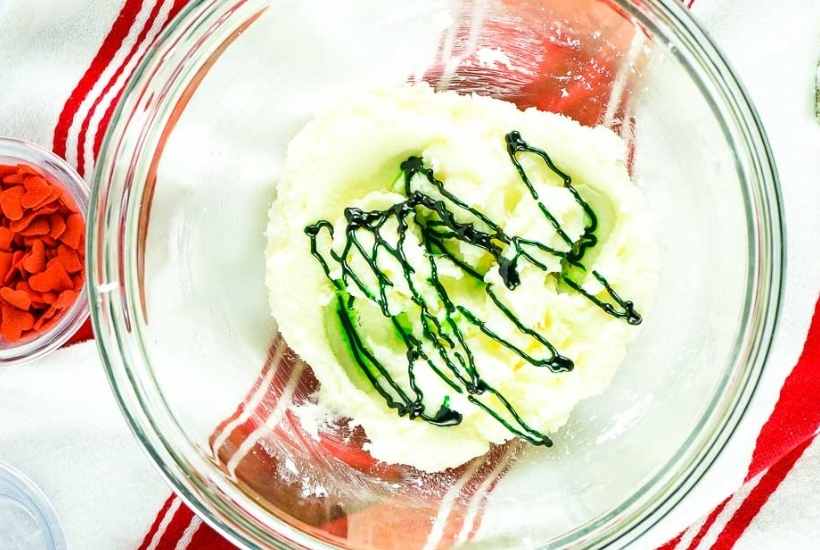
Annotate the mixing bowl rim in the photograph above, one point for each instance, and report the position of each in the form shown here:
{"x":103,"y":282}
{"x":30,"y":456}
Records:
{"x":189,"y":482}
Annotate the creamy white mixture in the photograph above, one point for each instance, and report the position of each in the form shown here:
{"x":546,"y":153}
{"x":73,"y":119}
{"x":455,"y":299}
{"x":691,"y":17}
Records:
{"x":350,"y":156}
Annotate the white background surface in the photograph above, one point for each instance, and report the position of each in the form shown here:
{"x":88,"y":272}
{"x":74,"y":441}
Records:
{"x":59,"y":422}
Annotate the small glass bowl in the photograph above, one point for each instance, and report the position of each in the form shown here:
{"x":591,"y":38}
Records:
{"x":16,"y":151}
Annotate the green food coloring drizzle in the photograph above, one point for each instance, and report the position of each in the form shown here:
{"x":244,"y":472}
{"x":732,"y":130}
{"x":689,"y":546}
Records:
{"x":439,"y":341}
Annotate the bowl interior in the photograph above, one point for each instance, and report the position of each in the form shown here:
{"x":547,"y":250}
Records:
{"x":196,"y":338}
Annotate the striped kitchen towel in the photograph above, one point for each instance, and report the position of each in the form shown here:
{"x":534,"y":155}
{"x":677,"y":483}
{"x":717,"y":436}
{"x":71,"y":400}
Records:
{"x":770,"y":471}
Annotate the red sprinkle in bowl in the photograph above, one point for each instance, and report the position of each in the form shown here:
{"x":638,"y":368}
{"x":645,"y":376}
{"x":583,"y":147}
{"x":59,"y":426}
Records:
{"x":34,"y":343}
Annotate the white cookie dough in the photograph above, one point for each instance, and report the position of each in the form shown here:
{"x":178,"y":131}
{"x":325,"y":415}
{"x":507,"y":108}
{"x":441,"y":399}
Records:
{"x":350,"y":156}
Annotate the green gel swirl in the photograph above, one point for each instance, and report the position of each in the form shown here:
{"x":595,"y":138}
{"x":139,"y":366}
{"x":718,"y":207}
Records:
{"x":441,"y":344}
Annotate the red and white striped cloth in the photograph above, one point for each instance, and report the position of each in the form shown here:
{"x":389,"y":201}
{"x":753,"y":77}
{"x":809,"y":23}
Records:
{"x":65,"y":66}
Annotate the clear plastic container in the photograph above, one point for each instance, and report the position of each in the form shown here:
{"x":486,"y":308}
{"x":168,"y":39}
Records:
{"x":27,"y":519}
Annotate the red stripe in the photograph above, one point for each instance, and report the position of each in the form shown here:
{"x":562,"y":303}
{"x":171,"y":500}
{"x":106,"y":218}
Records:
{"x":111,"y":43}
{"x":205,"y":537}
{"x":157,"y":520}
{"x":277,"y":341}
{"x":84,"y":128}
{"x":109,"y":112}
{"x":83,"y":334}
{"x":630,"y":131}
{"x":308,"y":384}
{"x":757,"y":498}
{"x":289,"y":427}
{"x":182,"y":518}
{"x":707,"y":524}
{"x":791,"y":425}
{"x":262,"y":412}
{"x":208,"y":539}
{"x":458,"y":512}
{"x":281,"y":378}
{"x":796,"y":416}
{"x":672,"y":543}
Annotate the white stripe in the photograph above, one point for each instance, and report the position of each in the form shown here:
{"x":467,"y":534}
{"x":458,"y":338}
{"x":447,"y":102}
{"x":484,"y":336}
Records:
{"x":163,"y":525}
{"x":729,"y":510}
{"x":628,"y":129}
{"x":451,"y":63}
{"x":189,"y":533}
{"x":273,"y":420}
{"x":256,"y":398}
{"x":475,"y":502}
{"x":622,"y":78}
{"x":447,"y":49}
{"x":102,"y":81}
{"x":437,"y":530}
{"x":96,"y":117}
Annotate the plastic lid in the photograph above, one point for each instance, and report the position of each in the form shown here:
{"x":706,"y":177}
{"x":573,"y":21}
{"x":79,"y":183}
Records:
{"x":27,"y":519}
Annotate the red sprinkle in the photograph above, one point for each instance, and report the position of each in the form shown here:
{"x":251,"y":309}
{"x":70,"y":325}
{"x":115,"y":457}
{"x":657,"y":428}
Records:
{"x":10,"y":203}
{"x":6,"y":237}
{"x":35,"y":261}
{"x":18,"y":298}
{"x":41,"y":252}
{"x":57,"y":224}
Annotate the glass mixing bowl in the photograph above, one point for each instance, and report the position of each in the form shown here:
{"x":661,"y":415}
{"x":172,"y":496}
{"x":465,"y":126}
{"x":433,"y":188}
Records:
{"x":183,"y":183}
